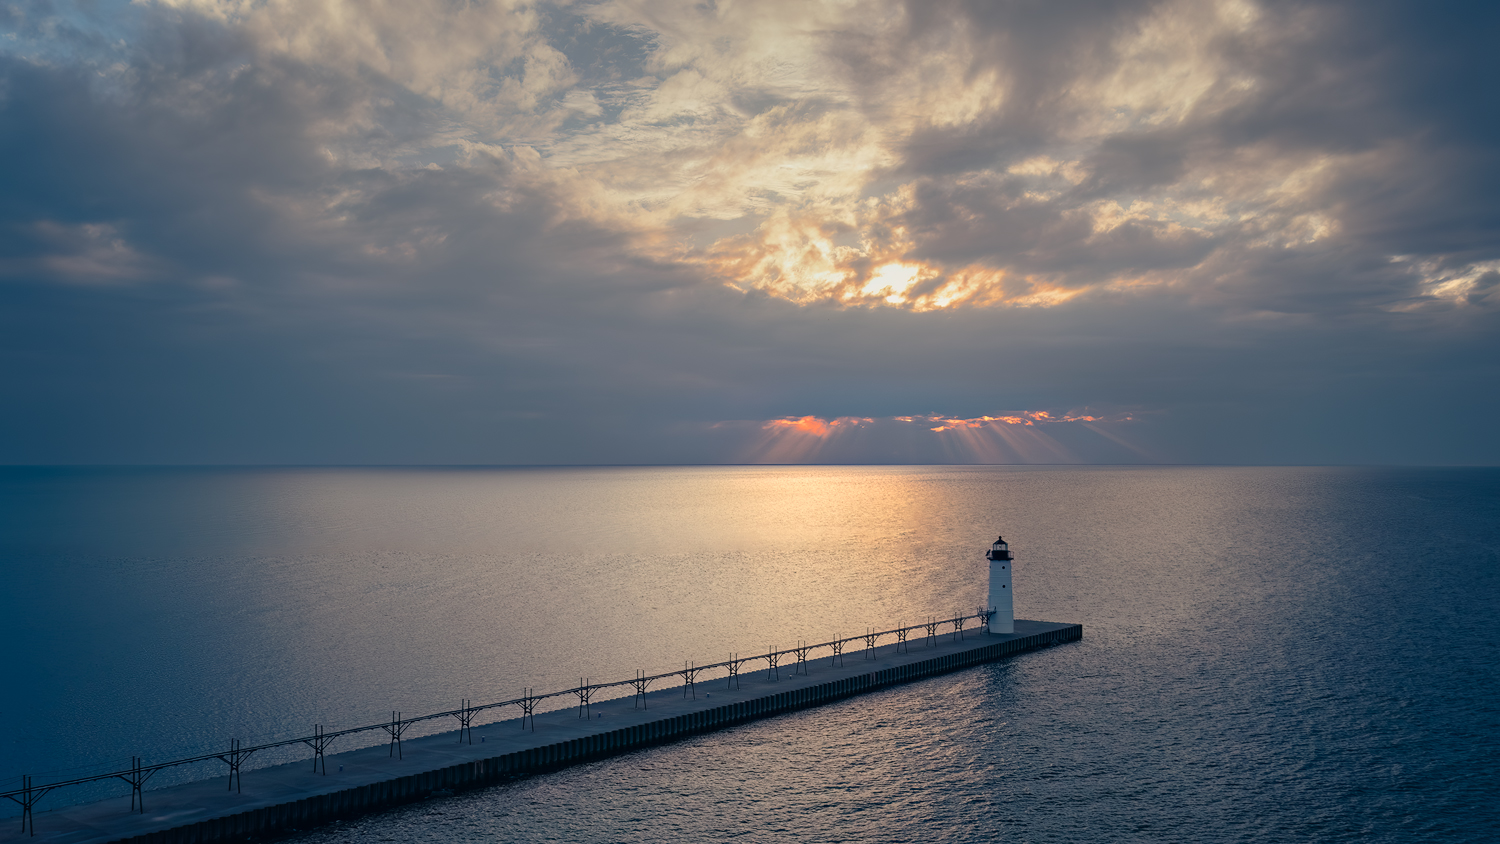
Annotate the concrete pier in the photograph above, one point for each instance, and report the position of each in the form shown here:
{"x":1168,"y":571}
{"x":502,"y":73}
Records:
{"x":279,"y":799}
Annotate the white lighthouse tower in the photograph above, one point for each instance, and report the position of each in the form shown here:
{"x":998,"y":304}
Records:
{"x":1002,"y":604}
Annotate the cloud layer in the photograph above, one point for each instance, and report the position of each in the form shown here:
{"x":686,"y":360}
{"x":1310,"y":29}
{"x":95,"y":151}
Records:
{"x":602,"y":232}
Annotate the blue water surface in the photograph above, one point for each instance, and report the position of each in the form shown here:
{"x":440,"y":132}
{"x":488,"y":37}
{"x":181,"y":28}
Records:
{"x":1270,"y":654}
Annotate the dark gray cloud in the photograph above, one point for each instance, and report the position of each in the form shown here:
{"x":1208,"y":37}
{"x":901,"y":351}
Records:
{"x":217,"y":246}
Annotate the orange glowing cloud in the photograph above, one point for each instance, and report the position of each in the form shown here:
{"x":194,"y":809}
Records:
{"x":812,"y":425}
{"x":1014,"y":437}
{"x":799,"y":439}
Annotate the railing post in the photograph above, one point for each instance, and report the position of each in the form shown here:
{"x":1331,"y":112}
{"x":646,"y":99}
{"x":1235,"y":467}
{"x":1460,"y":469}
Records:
{"x":319,"y":742}
{"x":584,"y":692}
{"x":234,"y":759}
{"x":690,"y":674}
{"x":640,"y":682}
{"x":528,"y":708}
{"x":137,"y":779}
{"x":26,"y":817}
{"x":395,"y":729}
{"x":465,"y":716}
{"x":30,"y":794}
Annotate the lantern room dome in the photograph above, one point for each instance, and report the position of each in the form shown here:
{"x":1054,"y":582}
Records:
{"x":1000,"y":550}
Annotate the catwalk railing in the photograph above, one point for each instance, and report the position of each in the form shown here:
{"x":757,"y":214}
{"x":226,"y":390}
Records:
{"x":795,"y":659}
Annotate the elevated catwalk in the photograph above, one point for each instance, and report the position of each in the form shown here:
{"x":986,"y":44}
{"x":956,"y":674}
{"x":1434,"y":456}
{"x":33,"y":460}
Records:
{"x":279,"y":799}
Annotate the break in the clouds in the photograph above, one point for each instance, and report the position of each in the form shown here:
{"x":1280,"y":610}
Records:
{"x":1021,"y":437}
{"x":643,"y":231}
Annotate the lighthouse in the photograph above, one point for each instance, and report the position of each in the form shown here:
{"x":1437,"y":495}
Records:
{"x":1002,"y":607}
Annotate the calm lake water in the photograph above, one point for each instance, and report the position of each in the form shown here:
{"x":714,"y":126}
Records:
{"x":1282,"y":654}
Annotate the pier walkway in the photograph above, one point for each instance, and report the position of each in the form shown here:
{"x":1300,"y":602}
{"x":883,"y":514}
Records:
{"x":276,"y":800}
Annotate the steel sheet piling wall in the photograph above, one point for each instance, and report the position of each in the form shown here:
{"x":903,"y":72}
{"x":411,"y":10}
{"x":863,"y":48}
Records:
{"x":312,"y":811}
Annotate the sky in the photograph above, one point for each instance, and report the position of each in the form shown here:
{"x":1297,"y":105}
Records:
{"x":654,"y":231}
